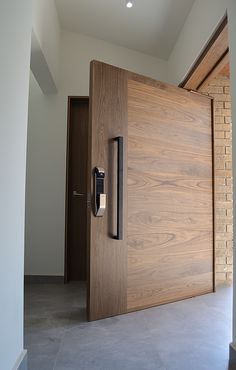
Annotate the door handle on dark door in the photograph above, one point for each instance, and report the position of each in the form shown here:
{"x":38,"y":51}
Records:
{"x":120,"y":179}
{"x":76,"y":194}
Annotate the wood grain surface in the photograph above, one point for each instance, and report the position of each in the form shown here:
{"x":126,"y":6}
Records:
{"x":170,"y":200}
{"x":221,"y":68}
{"x":107,"y":256}
{"x":168,"y":249}
{"x":213,"y":56}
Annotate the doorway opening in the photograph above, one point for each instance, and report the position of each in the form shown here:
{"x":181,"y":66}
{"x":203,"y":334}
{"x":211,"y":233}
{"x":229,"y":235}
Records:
{"x":210,"y":75}
{"x":76,"y":190}
{"x":77,"y":199}
{"x":65,"y":298}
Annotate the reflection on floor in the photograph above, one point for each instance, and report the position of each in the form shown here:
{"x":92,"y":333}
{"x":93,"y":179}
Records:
{"x":189,"y":335}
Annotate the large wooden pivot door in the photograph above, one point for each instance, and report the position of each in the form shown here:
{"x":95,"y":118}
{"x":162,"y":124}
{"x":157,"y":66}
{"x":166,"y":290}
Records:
{"x":167,"y":249}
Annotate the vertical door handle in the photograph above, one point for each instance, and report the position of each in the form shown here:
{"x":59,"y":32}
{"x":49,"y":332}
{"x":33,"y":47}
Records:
{"x":120,"y":184}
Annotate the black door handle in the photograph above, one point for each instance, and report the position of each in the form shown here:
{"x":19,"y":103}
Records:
{"x":120,"y":184}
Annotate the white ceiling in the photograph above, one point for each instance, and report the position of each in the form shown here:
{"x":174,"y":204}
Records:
{"x":151,"y":26}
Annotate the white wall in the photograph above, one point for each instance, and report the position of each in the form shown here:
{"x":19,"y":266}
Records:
{"x":77,"y":51}
{"x":45,"y":184}
{"x":15,"y":38}
{"x":199,"y":26}
{"x":47,"y":30}
{"x":46,"y":151}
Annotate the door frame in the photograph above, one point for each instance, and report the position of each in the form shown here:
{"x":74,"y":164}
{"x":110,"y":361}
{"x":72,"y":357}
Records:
{"x":69,"y":101}
{"x":212,"y":58}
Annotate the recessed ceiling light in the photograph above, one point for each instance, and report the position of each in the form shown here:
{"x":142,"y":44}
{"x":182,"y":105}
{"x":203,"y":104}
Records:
{"x":129,"y":4}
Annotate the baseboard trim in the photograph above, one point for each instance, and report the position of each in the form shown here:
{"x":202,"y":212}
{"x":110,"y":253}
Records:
{"x":43,"y":279}
{"x":21,"y":363}
{"x":232,"y":357}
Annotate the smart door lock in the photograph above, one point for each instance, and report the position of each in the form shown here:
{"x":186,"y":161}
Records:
{"x":99,"y":191}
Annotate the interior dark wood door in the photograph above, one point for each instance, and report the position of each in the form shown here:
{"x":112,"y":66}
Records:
{"x":167,"y":251}
{"x":76,"y":259}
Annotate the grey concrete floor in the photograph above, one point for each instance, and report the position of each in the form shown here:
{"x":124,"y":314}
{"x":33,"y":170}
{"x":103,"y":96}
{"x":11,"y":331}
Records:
{"x":189,"y":335}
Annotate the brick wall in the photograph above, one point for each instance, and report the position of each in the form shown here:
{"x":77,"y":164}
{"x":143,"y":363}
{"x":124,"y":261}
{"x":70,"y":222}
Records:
{"x":219,"y":89}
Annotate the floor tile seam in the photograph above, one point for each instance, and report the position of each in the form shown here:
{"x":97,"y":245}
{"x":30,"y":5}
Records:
{"x":65,"y":330}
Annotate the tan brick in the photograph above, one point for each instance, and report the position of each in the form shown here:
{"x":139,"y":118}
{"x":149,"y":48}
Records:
{"x":216,"y":90}
{"x":226,"y":205}
{"x":219,"y":119}
{"x":223,"y":173}
{"x":227,"y":105}
{"x":229,"y":228}
{"x":222,"y":127}
{"x":224,"y":268}
{"x":228,"y":252}
{"x":219,"y":104}
{"x":218,"y":112}
{"x":220,"y":197}
{"x":229,"y":268}
{"x":221,"y":268}
{"x":220,"y":181}
{"x":220,"y":276}
{"x":229,"y":181}
{"x":221,"y":252}
{"x":220,"y":212}
{"x":224,"y":236}
{"x":229,"y":197}
{"x":222,"y":112}
{"x":221,"y":188}
{"x":228,"y":150}
{"x":228,"y":165}
{"x":219,"y":149}
{"x":229,"y":276}
{"x":219,"y":164}
{"x":228,"y":134}
{"x":219,"y":89}
{"x":229,"y":244}
{"x":219,"y":228}
{"x":221,"y":97}
{"x":229,"y":212}
{"x":220,"y":81}
{"x":229,"y":189}
{"x":225,"y":142}
{"x":220,"y":244}
{"x":221,"y":260}
{"x":219,"y":134}
{"x":228,"y":119}
{"x":224,"y":157}
{"x":223,"y":220}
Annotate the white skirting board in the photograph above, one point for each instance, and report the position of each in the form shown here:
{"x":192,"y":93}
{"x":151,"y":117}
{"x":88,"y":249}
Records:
{"x":21,"y":363}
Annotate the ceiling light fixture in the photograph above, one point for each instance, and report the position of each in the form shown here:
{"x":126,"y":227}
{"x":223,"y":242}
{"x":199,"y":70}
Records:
{"x":129,"y":4}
